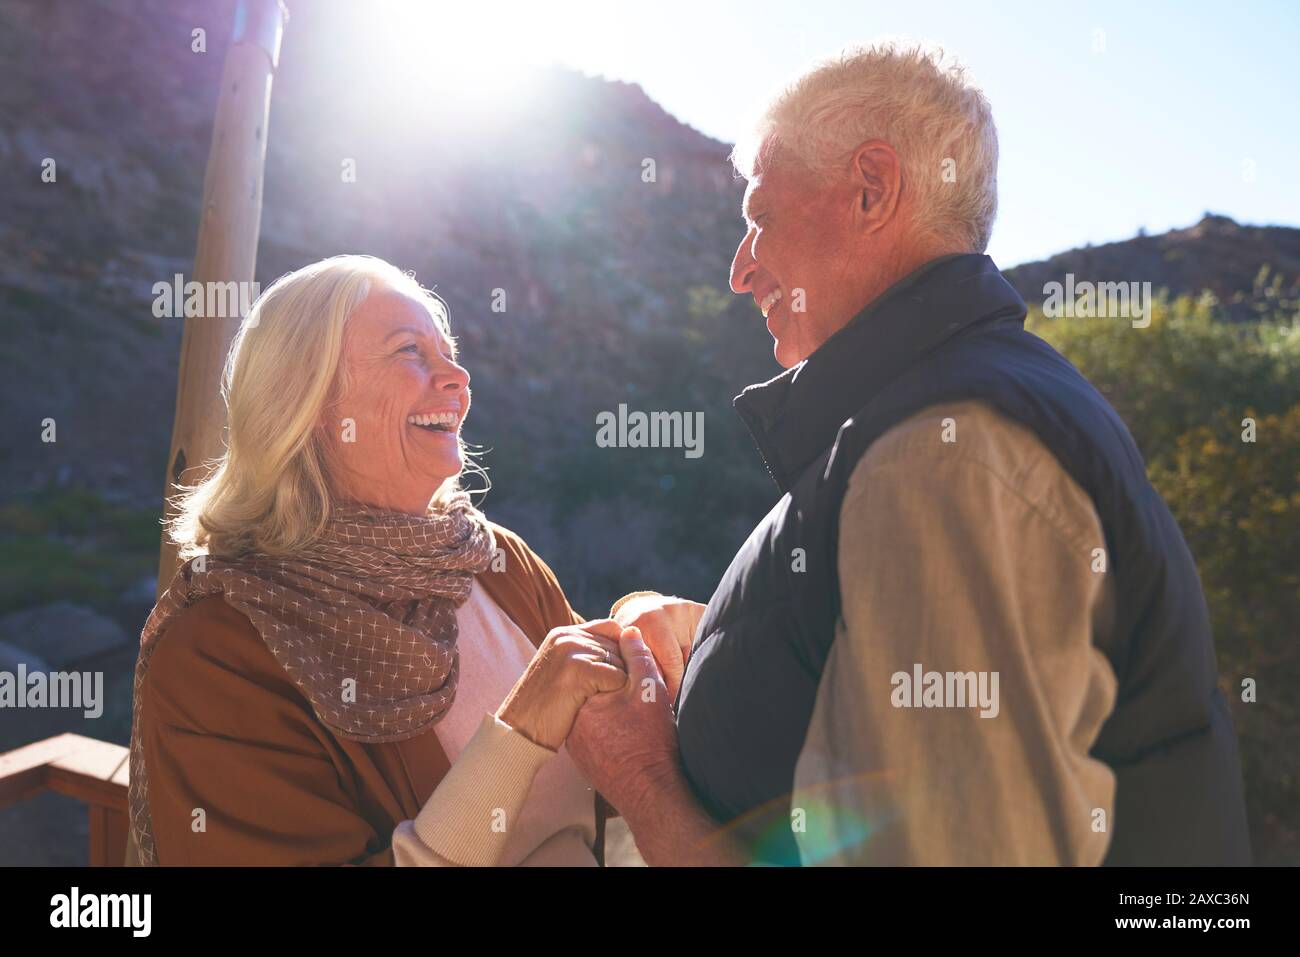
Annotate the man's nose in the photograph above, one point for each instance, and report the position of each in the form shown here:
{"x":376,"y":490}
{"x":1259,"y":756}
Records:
{"x":743,"y":266}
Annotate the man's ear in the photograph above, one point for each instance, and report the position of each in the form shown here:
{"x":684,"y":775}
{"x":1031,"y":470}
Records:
{"x":878,"y":180}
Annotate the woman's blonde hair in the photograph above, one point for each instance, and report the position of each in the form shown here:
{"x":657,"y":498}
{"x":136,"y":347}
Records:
{"x":270,"y":492}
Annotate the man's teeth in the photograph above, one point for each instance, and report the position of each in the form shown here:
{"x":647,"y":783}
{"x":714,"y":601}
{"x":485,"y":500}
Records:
{"x":770,"y":300}
{"x":435,"y":418}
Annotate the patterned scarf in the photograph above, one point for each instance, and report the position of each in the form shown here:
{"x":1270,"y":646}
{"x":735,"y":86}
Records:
{"x":363,"y":621}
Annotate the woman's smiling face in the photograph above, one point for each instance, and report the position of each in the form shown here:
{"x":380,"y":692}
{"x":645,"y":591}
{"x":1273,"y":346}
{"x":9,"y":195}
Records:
{"x":394,"y":435}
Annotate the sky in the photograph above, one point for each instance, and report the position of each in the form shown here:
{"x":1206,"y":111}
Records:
{"x":1112,"y":116}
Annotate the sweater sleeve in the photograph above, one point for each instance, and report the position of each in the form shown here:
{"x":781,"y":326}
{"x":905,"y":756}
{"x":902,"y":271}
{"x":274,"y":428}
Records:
{"x":467,"y":819}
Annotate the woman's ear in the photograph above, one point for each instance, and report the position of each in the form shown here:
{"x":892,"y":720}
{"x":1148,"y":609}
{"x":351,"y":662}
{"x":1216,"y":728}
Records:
{"x":878,"y":180}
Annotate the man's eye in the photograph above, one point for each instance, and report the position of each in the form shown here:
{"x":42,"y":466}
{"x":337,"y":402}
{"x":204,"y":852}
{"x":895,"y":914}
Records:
{"x":411,"y":348}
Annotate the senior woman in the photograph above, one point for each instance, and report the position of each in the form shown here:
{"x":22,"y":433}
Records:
{"x":354,"y":666}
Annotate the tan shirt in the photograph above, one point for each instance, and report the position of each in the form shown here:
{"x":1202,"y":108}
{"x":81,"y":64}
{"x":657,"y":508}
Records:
{"x":975,"y":555}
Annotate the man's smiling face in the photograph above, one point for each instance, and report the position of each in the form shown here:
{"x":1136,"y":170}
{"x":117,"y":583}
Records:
{"x":797,"y":258}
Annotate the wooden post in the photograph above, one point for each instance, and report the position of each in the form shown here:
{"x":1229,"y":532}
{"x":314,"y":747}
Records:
{"x":227,"y":246}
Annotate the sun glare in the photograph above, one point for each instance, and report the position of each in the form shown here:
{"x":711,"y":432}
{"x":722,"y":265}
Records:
{"x":471,"y":55}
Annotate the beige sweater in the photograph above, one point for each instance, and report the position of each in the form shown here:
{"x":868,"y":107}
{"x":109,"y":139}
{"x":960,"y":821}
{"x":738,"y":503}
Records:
{"x":505,"y":801}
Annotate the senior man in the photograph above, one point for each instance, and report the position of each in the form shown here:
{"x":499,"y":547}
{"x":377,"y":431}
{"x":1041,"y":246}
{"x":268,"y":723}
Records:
{"x":970,"y":632}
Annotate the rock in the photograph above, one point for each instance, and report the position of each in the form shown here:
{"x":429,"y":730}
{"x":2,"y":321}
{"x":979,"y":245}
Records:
{"x":61,"y":633}
{"x":11,"y":658}
{"x":144,"y":591}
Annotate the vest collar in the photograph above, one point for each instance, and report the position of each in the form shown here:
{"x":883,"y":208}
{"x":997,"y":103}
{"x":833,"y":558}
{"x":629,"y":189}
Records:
{"x":795,"y":416}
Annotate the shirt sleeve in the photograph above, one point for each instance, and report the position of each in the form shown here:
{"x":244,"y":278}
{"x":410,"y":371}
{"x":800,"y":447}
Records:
{"x":467,"y":820}
{"x":973,"y":569}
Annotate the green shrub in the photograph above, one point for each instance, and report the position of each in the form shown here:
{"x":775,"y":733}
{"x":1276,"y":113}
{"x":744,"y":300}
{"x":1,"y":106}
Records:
{"x":1184,"y":385}
{"x":68,"y":543}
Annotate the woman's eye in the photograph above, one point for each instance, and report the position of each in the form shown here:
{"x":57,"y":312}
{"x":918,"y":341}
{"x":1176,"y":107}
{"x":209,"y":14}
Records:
{"x":411,"y":348}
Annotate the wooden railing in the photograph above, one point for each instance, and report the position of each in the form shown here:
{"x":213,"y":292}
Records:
{"x":94,"y":772}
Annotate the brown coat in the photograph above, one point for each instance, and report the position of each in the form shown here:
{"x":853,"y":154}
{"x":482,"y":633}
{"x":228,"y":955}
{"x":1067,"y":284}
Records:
{"x":225,"y":730}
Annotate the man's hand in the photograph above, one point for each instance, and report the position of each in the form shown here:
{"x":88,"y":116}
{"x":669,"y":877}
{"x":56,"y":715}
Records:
{"x":667,"y":627}
{"x":625,"y":741}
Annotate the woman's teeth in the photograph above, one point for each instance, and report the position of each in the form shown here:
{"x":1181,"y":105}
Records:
{"x":770,"y":300}
{"x":441,"y":421}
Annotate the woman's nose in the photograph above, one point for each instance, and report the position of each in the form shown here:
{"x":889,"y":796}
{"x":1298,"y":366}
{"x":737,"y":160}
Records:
{"x":451,"y":377}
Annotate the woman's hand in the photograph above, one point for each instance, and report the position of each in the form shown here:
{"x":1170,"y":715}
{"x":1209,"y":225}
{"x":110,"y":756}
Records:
{"x":572,"y":664}
{"x":667,"y":626}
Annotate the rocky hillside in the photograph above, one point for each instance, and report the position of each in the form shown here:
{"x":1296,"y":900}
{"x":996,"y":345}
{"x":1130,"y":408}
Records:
{"x":615,"y":286}
{"x":1217,"y":254}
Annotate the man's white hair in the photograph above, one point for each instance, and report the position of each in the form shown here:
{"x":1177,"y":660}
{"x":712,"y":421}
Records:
{"x":913,"y":97}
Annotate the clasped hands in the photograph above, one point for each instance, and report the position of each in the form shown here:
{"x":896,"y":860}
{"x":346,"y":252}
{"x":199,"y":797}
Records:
{"x":605,"y":689}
